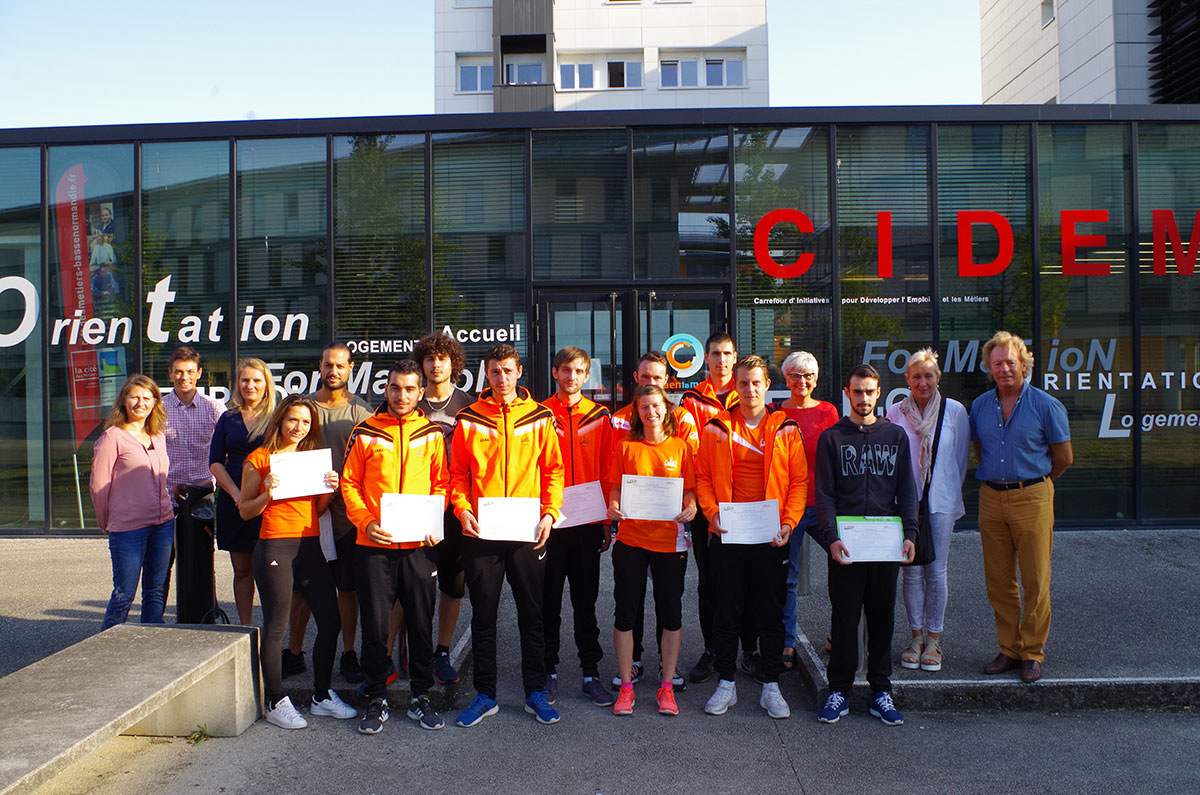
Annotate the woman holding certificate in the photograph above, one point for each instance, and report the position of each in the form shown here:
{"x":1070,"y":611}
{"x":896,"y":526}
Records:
{"x":289,"y":552}
{"x":938,"y":436}
{"x":662,"y":482}
{"x":239,"y":431}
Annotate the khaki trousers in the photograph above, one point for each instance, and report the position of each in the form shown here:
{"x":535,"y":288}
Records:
{"x":1016,"y":530}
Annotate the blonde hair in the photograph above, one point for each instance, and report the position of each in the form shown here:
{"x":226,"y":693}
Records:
{"x":265,"y":407}
{"x":924,"y":355}
{"x":1007,"y":340}
{"x":156,"y":423}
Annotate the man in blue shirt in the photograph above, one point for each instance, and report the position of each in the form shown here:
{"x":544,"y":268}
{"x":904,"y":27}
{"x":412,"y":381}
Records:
{"x":1022,"y":440}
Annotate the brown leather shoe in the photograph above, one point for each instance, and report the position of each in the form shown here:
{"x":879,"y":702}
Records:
{"x":1031,"y":671}
{"x":1001,"y":664}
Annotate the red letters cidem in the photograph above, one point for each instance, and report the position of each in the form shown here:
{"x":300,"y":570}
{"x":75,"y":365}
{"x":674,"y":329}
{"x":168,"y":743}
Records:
{"x":1165,"y":235}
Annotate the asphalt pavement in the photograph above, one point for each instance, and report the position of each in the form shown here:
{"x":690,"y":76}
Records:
{"x":1114,"y":711}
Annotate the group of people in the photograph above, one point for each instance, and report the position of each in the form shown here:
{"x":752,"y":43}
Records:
{"x":720,"y":446}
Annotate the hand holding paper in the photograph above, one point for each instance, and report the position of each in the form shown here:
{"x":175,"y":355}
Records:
{"x":301,"y":474}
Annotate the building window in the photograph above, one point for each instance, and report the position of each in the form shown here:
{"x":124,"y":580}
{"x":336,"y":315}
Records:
{"x":1047,"y":12}
{"x":722,"y":72}
{"x":517,"y":73}
{"x":685,"y":72}
{"x":624,"y":74}
{"x":576,"y":76}
{"x":678,"y":74}
{"x":472,"y":3}
{"x":475,"y":78}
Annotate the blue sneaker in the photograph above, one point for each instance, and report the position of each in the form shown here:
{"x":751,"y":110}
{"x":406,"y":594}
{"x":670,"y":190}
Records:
{"x":835,"y":707}
{"x":883,"y":708}
{"x":482,"y":707}
{"x":540,"y":708}
{"x":443,"y":671}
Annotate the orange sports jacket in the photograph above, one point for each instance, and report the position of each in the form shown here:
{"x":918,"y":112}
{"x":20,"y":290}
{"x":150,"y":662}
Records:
{"x":702,"y":402}
{"x":503,"y":450}
{"x":786,"y":467}
{"x":385,"y":455}
{"x":585,"y":438}
{"x":685,"y":426}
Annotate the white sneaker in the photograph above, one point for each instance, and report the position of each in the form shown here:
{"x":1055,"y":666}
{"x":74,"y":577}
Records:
{"x":724,"y":697}
{"x":285,"y":715}
{"x":773,"y":701}
{"x":333,"y":707}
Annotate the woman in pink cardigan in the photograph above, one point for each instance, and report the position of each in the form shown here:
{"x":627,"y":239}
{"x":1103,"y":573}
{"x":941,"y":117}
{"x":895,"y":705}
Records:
{"x":129,"y":490}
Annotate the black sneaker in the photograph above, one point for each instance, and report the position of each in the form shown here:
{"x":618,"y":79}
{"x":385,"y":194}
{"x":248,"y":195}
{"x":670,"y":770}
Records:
{"x":702,"y":671}
{"x":351,"y":670}
{"x":678,"y":680}
{"x":292,"y":663}
{"x":421,"y":710}
{"x":443,"y":671}
{"x":754,"y":666}
{"x":376,"y":715}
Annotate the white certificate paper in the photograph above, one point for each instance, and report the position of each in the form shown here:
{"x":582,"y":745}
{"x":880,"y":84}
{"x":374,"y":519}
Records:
{"x":749,"y":522}
{"x":405,"y":518}
{"x":509,"y":518}
{"x":582,"y":503}
{"x":301,"y":474}
{"x":872,"y":538}
{"x":647,"y":497}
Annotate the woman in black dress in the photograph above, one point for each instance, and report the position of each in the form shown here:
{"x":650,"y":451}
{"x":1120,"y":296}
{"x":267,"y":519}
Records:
{"x":239,"y":431}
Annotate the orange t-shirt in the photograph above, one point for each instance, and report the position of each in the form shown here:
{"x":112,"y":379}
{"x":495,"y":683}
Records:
{"x":670,"y":458}
{"x":294,"y":518}
{"x":749,"y":458}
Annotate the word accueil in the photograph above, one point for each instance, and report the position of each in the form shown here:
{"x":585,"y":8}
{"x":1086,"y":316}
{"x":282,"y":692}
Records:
{"x":1165,"y":234}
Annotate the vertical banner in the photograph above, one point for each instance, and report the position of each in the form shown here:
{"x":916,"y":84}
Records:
{"x":83,"y":361}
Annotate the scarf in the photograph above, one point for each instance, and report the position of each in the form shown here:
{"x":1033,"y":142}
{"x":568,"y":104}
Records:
{"x":925,"y":426}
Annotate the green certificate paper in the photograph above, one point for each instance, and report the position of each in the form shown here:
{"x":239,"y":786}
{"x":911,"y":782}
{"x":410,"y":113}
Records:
{"x":872,"y":538}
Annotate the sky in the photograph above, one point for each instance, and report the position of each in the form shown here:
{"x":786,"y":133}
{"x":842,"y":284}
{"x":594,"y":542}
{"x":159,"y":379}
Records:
{"x":71,"y":63}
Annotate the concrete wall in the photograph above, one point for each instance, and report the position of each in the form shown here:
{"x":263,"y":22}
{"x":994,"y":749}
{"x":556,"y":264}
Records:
{"x":1095,"y":51}
{"x":643,"y":30}
{"x":1019,"y":53}
{"x":1104,"y":51}
{"x":459,"y":30}
{"x":598,"y":31}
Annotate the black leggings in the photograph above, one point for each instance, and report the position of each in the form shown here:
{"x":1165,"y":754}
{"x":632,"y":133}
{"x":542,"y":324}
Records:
{"x":629,"y":585}
{"x":278,"y":563}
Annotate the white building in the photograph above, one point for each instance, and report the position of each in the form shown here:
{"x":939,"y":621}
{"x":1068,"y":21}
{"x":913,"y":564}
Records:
{"x":1086,"y":51}
{"x":510,"y":55}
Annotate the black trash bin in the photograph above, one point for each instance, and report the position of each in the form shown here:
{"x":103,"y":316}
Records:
{"x":195,"y":584}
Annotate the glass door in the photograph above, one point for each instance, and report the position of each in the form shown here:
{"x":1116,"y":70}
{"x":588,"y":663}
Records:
{"x":616,"y":327}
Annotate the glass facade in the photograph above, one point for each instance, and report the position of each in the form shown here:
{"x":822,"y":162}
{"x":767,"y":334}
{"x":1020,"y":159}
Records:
{"x":857,"y":239}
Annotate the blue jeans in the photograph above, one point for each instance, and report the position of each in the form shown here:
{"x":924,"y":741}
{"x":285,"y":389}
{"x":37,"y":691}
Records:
{"x":799,"y":534}
{"x":143,"y":554}
{"x":925,"y":586}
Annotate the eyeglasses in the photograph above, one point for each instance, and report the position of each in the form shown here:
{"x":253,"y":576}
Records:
{"x":802,"y":376}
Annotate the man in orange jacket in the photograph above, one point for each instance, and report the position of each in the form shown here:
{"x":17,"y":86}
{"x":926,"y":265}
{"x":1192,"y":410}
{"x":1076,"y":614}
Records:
{"x":704,"y":401}
{"x":750,"y":454}
{"x":505,"y":445}
{"x":573,"y":551}
{"x":652,"y":371}
{"x":396,"y":450}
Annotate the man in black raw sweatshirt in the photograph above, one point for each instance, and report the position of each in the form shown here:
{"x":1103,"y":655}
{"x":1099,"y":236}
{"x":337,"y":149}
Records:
{"x":862,"y":469}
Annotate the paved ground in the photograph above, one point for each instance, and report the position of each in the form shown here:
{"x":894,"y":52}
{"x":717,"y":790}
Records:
{"x":1126,"y":613}
{"x":1125,"y":617}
